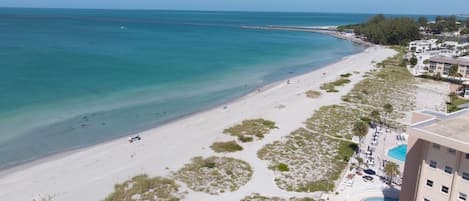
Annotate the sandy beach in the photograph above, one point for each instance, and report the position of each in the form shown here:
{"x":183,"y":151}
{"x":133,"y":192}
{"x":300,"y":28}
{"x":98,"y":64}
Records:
{"x":90,"y":173}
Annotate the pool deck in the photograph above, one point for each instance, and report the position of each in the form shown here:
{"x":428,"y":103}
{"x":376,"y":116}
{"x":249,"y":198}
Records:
{"x":360,"y":189}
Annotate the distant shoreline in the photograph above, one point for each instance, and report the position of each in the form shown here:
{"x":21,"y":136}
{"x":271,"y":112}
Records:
{"x":328,"y":30}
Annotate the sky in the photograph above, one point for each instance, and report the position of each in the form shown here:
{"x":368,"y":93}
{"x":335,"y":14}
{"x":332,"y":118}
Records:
{"x":348,"y":6}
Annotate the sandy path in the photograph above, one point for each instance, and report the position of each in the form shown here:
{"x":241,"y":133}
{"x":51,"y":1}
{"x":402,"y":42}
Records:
{"x":91,"y":173}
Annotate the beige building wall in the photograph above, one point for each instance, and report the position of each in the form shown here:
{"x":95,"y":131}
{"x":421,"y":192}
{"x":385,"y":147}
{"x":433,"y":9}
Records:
{"x":461,"y":69}
{"x":460,"y":184}
{"x":449,"y":150}
{"x":437,"y":175}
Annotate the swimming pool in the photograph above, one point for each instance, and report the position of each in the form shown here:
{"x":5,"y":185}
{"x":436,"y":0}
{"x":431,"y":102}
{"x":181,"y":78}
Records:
{"x":398,"y":152}
{"x":380,"y":199}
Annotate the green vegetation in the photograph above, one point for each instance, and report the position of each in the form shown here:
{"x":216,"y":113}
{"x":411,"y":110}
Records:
{"x":316,"y":156}
{"x":438,"y":77}
{"x":314,"y":160}
{"x":413,"y":61}
{"x":347,"y":75}
{"x":422,"y":21}
{"x":374,"y":115}
{"x":230,"y":146}
{"x":444,"y":24}
{"x":465,"y":31}
{"x":388,"y":108}
{"x":454,"y":102}
{"x":360,"y":128}
{"x":313,"y":94}
{"x":258,"y":197}
{"x":391,"y":170}
{"x":253,"y":127}
{"x":215,"y":175}
{"x":453,"y":72}
{"x":391,"y":88}
{"x":282,"y":167}
{"x":330,"y":86}
{"x":142,"y":187}
{"x":334,"y":120}
{"x":387,"y":31}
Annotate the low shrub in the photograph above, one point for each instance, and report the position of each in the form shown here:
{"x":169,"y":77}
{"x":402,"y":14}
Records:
{"x":230,"y":146}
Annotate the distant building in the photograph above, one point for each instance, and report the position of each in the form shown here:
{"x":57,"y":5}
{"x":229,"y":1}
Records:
{"x":442,"y":65}
{"x":437,"y":163}
{"x":420,"y":46}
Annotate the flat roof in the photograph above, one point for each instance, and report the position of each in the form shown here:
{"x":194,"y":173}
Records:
{"x":448,"y":129}
{"x":456,"y":128}
{"x":450,"y":60}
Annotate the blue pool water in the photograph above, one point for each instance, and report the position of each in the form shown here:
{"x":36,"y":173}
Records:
{"x":398,"y":153}
{"x":381,"y":199}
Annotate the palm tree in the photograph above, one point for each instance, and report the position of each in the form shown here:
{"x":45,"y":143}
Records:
{"x":453,"y":71}
{"x":391,"y":170}
{"x":360,"y":129}
{"x":360,"y":162}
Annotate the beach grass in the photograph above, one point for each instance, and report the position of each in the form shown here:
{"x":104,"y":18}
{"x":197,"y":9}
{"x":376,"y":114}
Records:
{"x":259,"y":197}
{"x":223,"y":147}
{"x":330,"y":86}
{"x":314,"y":161}
{"x":142,"y":187}
{"x":214,"y":175}
{"x":312,"y":94}
{"x":390,"y":84}
{"x":248,"y":129}
{"x":346,"y":75}
{"x":334,"y":120}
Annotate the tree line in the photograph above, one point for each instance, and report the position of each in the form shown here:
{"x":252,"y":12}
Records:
{"x":399,"y":31}
{"x":444,"y":24}
{"x":387,"y":31}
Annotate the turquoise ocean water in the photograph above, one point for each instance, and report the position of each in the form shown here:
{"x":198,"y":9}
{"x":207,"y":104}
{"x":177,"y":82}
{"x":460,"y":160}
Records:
{"x":73,"y":78}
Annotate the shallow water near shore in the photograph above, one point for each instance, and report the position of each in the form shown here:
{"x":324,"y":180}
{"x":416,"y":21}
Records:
{"x":73,"y":78}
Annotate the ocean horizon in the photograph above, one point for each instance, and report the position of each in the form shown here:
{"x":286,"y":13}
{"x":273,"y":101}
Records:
{"x":72,"y":78}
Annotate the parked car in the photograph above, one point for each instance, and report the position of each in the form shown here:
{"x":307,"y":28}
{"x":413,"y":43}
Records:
{"x":369,"y":172}
{"x":367,"y":178}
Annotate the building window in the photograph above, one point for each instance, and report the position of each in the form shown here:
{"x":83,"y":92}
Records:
{"x":436,"y":146}
{"x":451,"y":151}
{"x":433,"y":164}
{"x":448,"y":169}
{"x":444,"y":189}
{"x":425,"y":199}
{"x":467,"y":156}
{"x":429,"y":183}
{"x":465,"y":176}
{"x":462,"y":196}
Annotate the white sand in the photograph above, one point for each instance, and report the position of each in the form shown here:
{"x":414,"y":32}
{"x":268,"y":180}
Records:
{"x":432,"y":95}
{"x":91,"y":173}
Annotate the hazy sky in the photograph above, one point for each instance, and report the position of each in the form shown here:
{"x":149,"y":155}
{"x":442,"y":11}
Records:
{"x":355,"y":6}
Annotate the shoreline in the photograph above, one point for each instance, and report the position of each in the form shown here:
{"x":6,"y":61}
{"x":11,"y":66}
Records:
{"x":57,"y":155}
{"x":327,"y":30}
{"x":196,"y":128}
